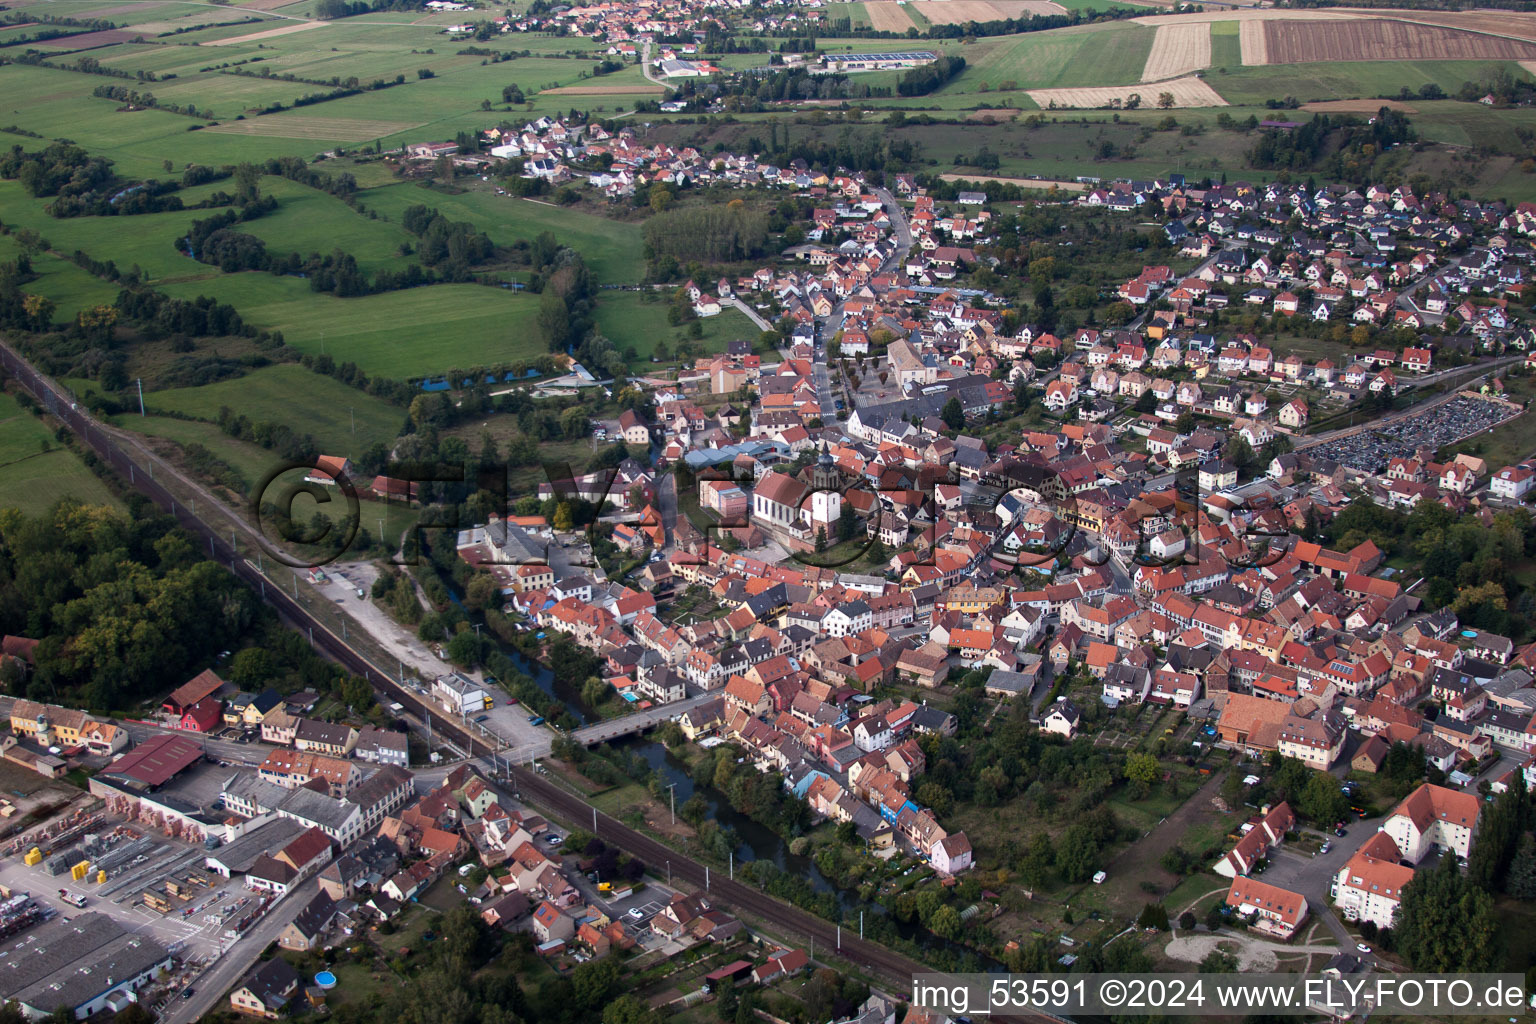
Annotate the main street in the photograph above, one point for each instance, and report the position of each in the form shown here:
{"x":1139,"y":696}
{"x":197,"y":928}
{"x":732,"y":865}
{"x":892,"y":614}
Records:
{"x":209,"y":987}
{"x":820,"y":371}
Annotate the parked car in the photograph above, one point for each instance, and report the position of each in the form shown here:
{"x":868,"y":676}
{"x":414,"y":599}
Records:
{"x":1341,"y":832}
{"x":1362,"y":947}
{"x":554,"y":840}
{"x":635,"y":914}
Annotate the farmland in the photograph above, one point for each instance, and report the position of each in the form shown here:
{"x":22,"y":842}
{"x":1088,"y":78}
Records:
{"x":887,"y":16}
{"x":958,"y":12}
{"x":1178,"y":50}
{"x":36,"y":471}
{"x":1226,"y":44}
{"x":1081,"y":57}
{"x":307,"y":402}
{"x":1295,"y":42}
{"x":1186,"y":92}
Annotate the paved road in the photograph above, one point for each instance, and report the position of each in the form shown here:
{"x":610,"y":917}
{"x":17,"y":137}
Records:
{"x":821,"y":374}
{"x":597,"y":732}
{"x":1313,"y":875}
{"x":645,"y":66}
{"x":752,"y":314}
{"x":210,"y":986}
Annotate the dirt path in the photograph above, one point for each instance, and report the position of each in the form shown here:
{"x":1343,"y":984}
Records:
{"x":1252,"y":955}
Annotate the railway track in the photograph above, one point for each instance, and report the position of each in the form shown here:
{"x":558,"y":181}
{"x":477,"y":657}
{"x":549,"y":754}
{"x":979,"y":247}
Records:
{"x":887,"y":963}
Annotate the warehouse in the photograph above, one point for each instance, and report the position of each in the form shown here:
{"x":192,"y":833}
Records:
{"x":77,"y":964}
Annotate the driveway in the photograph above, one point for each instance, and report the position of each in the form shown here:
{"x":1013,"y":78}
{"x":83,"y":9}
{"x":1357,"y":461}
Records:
{"x":1312,"y":876}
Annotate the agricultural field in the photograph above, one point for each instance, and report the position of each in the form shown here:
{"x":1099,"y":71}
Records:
{"x":35,"y":470}
{"x":857,"y":16}
{"x":958,"y":12}
{"x":1226,"y":44}
{"x":612,"y":249}
{"x":419,"y":332}
{"x":342,"y":418}
{"x":1080,"y":57}
{"x":887,"y":16}
{"x":1178,"y":50}
{"x":1296,"y":42}
{"x":1252,"y":86}
{"x":1186,"y":92}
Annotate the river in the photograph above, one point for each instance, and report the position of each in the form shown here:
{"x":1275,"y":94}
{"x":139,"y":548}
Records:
{"x":755,"y":841}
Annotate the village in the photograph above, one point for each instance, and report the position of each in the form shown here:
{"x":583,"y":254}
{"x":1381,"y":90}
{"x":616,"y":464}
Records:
{"x":1186,"y":495}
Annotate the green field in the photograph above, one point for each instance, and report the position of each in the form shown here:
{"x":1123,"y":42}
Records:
{"x":854,"y":12}
{"x":35,"y":470}
{"x":1226,"y":46}
{"x":1106,"y":54}
{"x":626,"y":321}
{"x":1252,"y":86}
{"x":413,"y":333}
{"x":612,"y":249}
{"x":308,"y":402}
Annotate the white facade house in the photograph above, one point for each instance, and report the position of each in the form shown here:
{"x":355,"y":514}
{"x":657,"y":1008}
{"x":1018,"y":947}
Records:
{"x":1433,"y":817}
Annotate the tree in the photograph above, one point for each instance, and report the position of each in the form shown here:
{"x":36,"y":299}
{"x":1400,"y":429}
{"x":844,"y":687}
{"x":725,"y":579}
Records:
{"x":1522,"y":870}
{"x":595,"y":691}
{"x":1218,"y":961}
{"x":251,"y":668}
{"x":1185,"y":424}
{"x":464,"y":649}
{"x":1165,"y":100}
{"x":1153,"y":915}
{"x":1077,"y":855}
{"x":847,"y":521}
{"x":1038,"y":860}
{"x":1321,"y":801}
{"x":1141,"y":771}
{"x":592,"y":982}
{"x":952,"y":414}
{"x":946,"y":923}
{"x":661,"y":198}
{"x":554,"y":321}
{"x":1445,"y":924}
{"x":821,"y":539}
{"x":39,"y":310}
{"x":1506,"y":821}
{"x":1238,"y":451}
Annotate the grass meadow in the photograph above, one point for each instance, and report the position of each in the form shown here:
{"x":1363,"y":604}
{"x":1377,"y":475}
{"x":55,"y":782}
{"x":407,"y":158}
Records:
{"x":613,"y":249}
{"x":628,"y":321}
{"x":35,"y":470}
{"x":343,"y":419}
